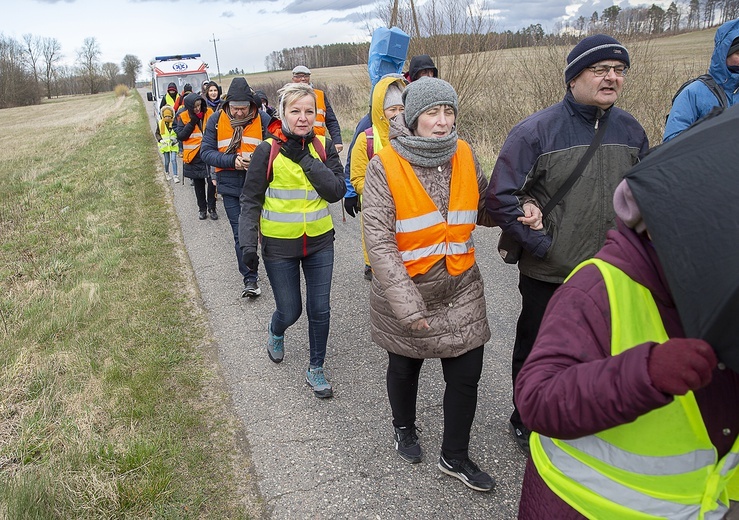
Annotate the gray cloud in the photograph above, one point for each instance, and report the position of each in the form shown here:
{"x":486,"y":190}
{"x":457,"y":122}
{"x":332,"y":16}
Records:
{"x":227,"y":14}
{"x":306,"y":6}
{"x":352,"y":18}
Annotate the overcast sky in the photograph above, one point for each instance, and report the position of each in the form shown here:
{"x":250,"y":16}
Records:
{"x":246,"y":31}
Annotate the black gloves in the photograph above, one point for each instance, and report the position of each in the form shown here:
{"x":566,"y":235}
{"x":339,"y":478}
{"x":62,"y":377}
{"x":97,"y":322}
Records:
{"x":251,"y":261}
{"x":294,"y":150}
{"x":352,"y":205}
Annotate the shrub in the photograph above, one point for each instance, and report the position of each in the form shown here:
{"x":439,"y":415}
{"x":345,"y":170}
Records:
{"x":121,"y":90}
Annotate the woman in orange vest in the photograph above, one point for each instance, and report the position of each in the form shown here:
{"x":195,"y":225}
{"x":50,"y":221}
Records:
{"x":423,"y":195}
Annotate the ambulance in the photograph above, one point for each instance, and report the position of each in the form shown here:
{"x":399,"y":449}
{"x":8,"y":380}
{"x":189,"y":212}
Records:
{"x":178,"y":69}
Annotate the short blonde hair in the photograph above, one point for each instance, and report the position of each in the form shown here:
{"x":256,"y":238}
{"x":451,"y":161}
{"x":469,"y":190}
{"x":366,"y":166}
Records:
{"x":290,"y":93}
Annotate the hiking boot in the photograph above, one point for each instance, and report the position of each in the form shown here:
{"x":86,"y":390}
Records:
{"x":201,"y":215}
{"x":251,"y":289}
{"x":367,"y":273}
{"x":407,"y":445}
{"x":275,"y":346}
{"x":468,"y":472}
{"x":213,"y":214}
{"x":316,"y":379}
{"x":521,"y":436}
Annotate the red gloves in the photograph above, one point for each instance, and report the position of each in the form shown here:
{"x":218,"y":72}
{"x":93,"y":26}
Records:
{"x":680,"y":365}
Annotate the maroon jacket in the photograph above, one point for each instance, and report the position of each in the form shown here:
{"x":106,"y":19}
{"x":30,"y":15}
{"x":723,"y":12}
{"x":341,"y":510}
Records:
{"x":571,"y":386}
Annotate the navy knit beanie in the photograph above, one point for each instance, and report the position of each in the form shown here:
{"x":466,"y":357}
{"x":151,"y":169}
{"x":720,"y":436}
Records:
{"x":591,"y":50}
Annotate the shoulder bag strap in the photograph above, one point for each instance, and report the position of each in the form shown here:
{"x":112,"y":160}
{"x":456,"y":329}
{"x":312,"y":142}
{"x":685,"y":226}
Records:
{"x":562,"y":191}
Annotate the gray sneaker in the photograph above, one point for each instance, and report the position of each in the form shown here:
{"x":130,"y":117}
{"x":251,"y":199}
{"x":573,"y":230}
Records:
{"x":275,"y":346}
{"x":316,"y":379}
{"x":251,"y":288}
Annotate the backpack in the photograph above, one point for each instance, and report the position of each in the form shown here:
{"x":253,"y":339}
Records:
{"x":370,"y":135}
{"x":708,"y":81}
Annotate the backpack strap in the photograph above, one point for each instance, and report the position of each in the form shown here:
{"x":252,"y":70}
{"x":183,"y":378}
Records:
{"x":370,"y":135}
{"x":719,"y":92}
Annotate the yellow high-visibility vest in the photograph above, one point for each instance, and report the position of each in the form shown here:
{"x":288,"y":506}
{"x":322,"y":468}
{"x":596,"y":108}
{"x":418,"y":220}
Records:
{"x":292,"y":207}
{"x":663,"y":464}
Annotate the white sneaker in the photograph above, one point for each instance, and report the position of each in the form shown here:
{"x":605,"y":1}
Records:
{"x":176,"y":179}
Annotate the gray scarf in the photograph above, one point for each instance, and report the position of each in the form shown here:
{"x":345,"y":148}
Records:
{"x":427,"y":152}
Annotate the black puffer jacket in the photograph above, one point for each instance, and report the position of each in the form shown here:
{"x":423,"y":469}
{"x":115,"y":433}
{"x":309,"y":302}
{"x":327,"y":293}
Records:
{"x":195,"y":169}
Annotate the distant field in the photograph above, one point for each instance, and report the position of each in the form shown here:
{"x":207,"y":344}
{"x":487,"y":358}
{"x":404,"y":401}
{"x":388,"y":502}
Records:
{"x":517,"y":82}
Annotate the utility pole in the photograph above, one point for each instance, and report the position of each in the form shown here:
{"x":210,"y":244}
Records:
{"x":217,"y":64}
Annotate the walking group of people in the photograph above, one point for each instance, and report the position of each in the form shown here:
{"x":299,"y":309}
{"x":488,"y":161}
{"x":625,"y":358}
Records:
{"x":622,"y":415}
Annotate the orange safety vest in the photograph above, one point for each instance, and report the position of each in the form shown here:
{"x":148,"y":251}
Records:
{"x":319,"y":125}
{"x":191,"y":145}
{"x":250,"y":138}
{"x":422,"y":234}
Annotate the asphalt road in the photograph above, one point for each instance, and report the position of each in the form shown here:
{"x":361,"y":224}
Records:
{"x":335,"y":458}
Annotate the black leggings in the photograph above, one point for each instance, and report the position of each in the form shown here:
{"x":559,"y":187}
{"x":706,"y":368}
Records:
{"x":461,"y":375}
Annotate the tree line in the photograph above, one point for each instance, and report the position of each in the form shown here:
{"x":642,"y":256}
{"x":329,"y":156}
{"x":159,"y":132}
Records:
{"x":32,"y":68}
{"x":630,"y":22}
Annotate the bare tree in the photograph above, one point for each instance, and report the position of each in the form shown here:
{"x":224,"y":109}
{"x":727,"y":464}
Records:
{"x":110,"y":71}
{"x":51,"y":54}
{"x":131,"y":68}
{"x":32,"y":52}
{"x":88,"y":58}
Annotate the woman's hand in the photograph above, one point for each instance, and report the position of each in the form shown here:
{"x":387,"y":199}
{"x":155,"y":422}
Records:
{"x":532,"y":216}
{"x":421,"y":324}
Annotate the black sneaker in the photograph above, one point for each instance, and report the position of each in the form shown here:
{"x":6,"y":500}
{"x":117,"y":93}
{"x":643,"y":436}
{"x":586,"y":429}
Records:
{"x":251,"y":290}
{"x":202,"y":215}
{"x":468,"y":472}
{"x":521,"y":436}
{"x":407,"y":445}
{"x":213,"y":214}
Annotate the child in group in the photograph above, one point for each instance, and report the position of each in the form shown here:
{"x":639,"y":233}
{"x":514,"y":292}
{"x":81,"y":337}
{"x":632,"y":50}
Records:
{"x":168,"y":143}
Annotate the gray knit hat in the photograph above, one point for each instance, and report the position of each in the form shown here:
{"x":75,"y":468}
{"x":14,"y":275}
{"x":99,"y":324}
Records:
{"x":425,"y":93}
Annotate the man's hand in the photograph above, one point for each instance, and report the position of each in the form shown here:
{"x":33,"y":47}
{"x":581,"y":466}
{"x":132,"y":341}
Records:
{"x":532,"y":216}
{"x":339,"y":147}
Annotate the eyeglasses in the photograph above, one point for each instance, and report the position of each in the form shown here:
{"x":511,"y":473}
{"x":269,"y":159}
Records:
{"x":603,"y":70}
{"x":301,"y":76}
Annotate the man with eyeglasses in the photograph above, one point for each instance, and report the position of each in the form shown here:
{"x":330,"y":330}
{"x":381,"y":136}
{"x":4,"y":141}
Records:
{"x":325,"y":117}
{"x":537,"y":158}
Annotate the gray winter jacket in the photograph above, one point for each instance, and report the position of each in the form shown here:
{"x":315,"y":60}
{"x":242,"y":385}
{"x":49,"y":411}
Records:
{"x":454,"y":306}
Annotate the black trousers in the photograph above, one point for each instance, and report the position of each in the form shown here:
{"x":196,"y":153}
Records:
{"x":535,"y":296}
{"x":461,"y":375}
{"x":205,"y":193}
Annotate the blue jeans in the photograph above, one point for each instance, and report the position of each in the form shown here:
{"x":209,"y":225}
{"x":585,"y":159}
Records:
{"x":170,"y":158}
{"x":232,"y":206}
{"x":284,"y":277}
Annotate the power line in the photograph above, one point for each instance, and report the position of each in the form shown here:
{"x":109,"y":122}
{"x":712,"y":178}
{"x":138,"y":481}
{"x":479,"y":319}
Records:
{"x":216,"y":50}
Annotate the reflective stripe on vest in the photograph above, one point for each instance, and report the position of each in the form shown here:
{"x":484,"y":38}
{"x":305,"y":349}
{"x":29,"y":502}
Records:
{"x":191,"y":145}
{"x":319,"y":125}
{"x":663,"y":464}
{"x":250,"y":138}
{"x":292,"y":207}
{"x":423,"y":235}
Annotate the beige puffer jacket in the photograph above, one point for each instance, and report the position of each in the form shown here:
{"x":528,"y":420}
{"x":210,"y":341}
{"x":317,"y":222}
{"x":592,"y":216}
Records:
{"x":454,"y":306}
